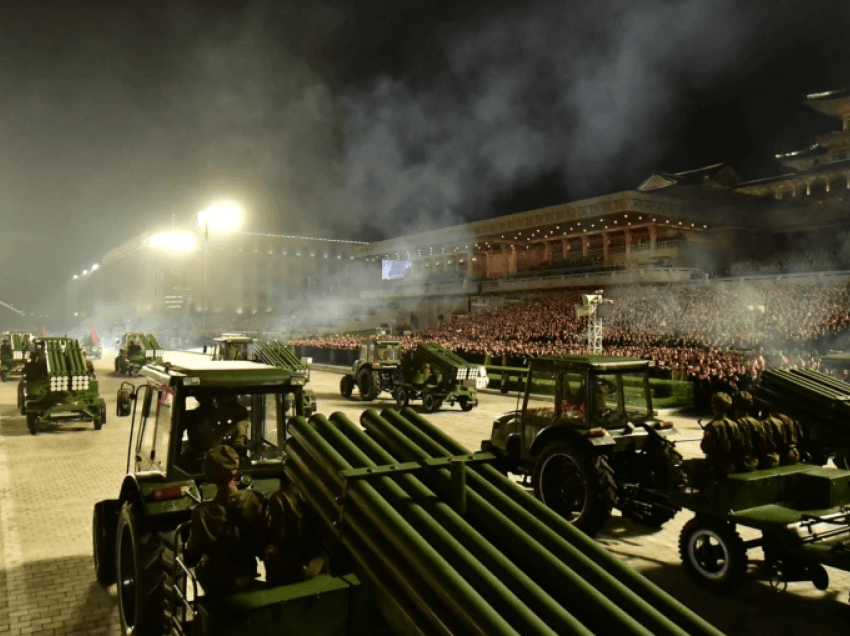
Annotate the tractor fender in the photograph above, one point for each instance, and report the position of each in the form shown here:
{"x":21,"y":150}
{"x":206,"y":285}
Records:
{"x":141,"y":490}
{"x":555,"y":432}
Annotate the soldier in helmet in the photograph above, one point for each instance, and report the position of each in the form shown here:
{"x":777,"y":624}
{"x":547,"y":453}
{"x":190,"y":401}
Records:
{"x":227,"y":533}
{"x":749,"y":444}
{"x":716,"y":442}
{"x":295,"y":551}
{"x":133,"y":349}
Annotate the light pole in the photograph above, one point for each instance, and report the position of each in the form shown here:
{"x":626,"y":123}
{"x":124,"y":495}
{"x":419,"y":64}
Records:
{"x":221,"y":218}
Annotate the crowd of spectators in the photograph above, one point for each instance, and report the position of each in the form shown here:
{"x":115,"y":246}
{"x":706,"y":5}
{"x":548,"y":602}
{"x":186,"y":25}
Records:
{"x":719,"y":335}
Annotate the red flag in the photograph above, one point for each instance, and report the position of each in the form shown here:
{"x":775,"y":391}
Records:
{"x":94,"y":335}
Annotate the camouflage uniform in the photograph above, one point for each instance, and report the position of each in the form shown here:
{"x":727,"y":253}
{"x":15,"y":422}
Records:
{"x":790,"y":439}
{"x":295,"y":551}
{"x":228,"y":533}
{"x":744,"y":445}
{"x":717,"y":442}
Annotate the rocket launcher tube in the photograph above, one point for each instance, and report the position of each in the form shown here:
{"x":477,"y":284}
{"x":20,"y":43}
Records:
{"x":561,"y":529}
{"x":417,"y":599}
{"x":599,"y":600}
{"x":520,"y":584}
{"x":491,"y":587}
{"x":478,"y":616}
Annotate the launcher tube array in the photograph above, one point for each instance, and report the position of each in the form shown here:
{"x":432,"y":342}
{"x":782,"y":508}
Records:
{"x":66,"y":368}
{"x":453,"y":547}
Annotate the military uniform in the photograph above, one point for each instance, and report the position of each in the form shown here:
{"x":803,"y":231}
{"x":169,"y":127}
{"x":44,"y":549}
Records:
{"x":295,"y":551}
{"x":744,"y":443}
{"x":207,"y":427}
{"x":717,"y":442}
{"x":789,"y":435}
{"x":228,"y":533}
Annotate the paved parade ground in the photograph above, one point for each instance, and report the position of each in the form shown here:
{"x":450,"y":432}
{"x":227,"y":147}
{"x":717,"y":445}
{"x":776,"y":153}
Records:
{"x":49,"y":484}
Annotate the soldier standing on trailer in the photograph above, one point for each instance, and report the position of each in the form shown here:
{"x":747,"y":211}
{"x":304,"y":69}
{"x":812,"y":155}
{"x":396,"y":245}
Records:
{"x":716,"y":442}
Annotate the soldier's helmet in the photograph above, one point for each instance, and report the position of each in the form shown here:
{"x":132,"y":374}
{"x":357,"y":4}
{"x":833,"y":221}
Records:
{"x":721,"y":402}
{"x":742,"y":401}
{"x":221,"y":464}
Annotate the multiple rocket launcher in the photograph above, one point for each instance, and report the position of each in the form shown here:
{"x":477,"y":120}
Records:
{"x":66,"y":368}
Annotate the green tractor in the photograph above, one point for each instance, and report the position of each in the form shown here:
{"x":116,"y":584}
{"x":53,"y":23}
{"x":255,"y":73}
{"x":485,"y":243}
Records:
{"x":430,"y":373}
{"x":585,"y":433}
{"x":139,"y":537}
{"x":59,"y":384}
{"x":136,"y":349}
{"x":233,"y":346}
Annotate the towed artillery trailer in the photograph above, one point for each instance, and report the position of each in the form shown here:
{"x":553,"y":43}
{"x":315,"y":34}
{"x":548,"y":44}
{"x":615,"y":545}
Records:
{"x":802,"y":512}
{"x":430,"y":373}
{"x":21,"y":344}
{"x":146,"y":350}
{"x":585,"y":433}
{"x":272,"y":352}
{"x":59,"y":385}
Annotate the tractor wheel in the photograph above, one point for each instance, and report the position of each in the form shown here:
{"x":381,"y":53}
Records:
{"x":576,"y":482}
{"x":503,"y":386}
{"x":103,"y":413}
{"x":713,"y":553}
{"x":465,"y":403}
{"x":139,"y":572}
{"x":346,"y":385}
{"x":431,"y":402}
{"x":117,"y":366}
{"x":368,"y":387}
{"x":401,"y":397}
{"x":32,"y":423}
{"x":102,"y":547}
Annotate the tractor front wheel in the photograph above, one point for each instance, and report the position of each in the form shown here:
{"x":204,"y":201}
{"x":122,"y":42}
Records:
{"x":103,"y":543}
{"x":346,"y":385}
{"x":576,"y":482}
{"x":713,"y":553}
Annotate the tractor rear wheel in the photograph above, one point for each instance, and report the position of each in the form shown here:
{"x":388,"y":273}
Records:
{"x":346,"y":385}
{"x":32,"y":423}
{"x":576,"y":482}
{"x":713,"y":553}
{"x":139,"y":572}
{"x":401,"y":397}
{"x":369,"y":388}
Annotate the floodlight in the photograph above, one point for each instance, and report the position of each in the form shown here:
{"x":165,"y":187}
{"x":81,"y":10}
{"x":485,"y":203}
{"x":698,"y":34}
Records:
{"x":221,"y":218}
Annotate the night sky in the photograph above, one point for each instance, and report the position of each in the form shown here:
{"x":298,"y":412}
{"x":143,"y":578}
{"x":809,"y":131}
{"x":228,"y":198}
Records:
{"x":369,"y":119}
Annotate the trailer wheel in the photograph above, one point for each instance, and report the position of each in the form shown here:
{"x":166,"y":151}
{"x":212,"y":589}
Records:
{"x":346,"y":386}
{"x":32,"y":423}
{"x":139,"y":572}
{"x":577,"y":483}
{"x":367,"y":385}
{"x":401,"y":397}
{"x":713,"y":553}
{"x":431,"y":402}
{"x":465,"y":403}
{"x":102,"y":547}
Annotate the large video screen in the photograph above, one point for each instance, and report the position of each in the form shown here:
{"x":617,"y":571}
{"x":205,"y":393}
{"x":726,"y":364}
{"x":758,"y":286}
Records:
{"x":393,"y":269}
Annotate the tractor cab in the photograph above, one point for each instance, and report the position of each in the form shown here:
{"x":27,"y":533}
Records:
{"x":234,"y":347}
{"x":181,"y":412}
{"x":380,"y":353}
